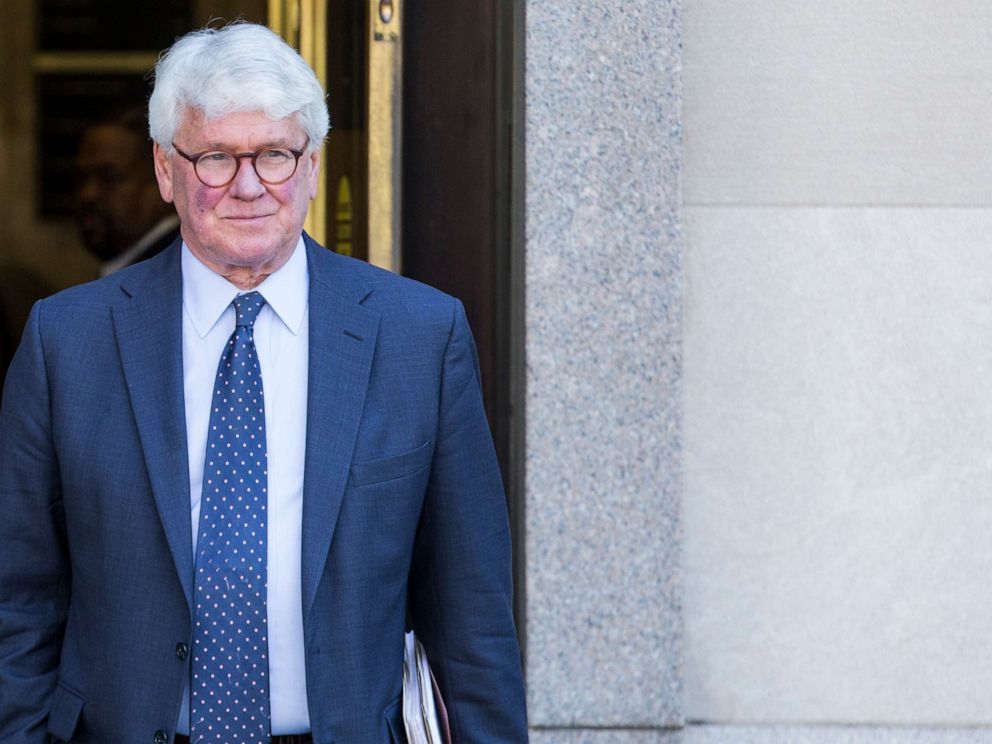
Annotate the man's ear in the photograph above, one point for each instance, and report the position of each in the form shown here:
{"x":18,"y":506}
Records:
{"x":312,"y":178}
{"x":163,"y":172}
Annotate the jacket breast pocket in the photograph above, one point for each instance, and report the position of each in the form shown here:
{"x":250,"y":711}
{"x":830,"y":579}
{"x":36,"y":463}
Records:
{"x":382,"y":469}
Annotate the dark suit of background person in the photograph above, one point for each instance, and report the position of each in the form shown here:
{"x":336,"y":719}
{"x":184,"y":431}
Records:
{"x":20,"y":288}
{"x":402,"y":509}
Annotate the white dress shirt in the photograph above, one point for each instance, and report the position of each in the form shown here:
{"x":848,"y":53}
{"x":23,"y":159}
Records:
{"x":281,"y":341}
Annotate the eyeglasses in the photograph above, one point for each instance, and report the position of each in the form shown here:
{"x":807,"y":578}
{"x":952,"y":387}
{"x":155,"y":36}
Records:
{"x":273,"y":165}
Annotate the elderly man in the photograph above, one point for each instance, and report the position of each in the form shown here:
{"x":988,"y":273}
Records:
{"x":231,"y":472}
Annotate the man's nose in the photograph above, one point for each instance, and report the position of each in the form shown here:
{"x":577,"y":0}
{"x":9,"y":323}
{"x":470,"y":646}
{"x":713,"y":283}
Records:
{"x":246,"y":183}
{"x":88,"y":189}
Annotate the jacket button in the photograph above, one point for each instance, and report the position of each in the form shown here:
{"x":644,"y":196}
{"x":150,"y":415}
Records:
{"x":182,"y":651}
{"x":161,"y":737}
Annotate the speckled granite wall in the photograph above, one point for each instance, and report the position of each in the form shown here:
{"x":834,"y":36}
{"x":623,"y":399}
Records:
{"x":770,"y":735}
{"x":603,"y":327}
{"x":826,"y":735}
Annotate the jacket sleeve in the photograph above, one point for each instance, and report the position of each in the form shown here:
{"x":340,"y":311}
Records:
{"x":34,"y":573}
{"x":460,"y":585}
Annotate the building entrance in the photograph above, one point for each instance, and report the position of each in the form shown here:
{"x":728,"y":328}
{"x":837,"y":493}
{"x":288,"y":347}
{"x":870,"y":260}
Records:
{"x":418,"y":170}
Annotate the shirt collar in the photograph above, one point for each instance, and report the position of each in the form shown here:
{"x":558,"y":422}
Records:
{"x":206,"y":295}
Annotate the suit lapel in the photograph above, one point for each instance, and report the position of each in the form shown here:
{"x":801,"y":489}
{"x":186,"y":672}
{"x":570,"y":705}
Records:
{"x":148,"y":326}
{"x":342,"y":340}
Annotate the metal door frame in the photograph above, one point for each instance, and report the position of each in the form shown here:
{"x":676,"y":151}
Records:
{"x":303,"y":23}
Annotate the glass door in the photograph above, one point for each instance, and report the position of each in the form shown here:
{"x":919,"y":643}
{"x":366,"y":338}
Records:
{"x":355,"y":48}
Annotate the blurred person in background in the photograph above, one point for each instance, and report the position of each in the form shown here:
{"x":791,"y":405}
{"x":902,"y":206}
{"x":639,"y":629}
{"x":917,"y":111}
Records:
{"x":121,"y":216}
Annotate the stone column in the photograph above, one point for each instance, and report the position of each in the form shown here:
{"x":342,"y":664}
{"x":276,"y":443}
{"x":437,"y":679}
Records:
{"x":603,"y":346}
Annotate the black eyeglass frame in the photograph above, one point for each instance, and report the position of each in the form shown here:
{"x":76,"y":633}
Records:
{"x":238,"y":157}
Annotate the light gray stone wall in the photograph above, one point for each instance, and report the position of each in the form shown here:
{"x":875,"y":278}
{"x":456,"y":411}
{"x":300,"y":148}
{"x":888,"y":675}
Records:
{"x":837,"y":102}
{"x":774,"y":734}
{"x":830,"y":379}
{"x":603,"y":346}
{"x":838,"y":353}
{"x":780,"y":734}
{"x":607,"y":736}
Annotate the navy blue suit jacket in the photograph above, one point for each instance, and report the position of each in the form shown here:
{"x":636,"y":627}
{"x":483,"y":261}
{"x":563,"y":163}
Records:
{"x":402,"y":508}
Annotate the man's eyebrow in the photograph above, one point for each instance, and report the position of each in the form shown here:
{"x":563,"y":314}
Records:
{"x":216,"y":145}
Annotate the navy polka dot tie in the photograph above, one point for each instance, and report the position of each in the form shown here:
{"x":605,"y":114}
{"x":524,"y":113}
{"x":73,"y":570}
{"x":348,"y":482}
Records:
{"x":230,"y":666}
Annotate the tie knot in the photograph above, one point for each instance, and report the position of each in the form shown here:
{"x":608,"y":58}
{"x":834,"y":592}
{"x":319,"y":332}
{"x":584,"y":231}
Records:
{"x":247,"y":307}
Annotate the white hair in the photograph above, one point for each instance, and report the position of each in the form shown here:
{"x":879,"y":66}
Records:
{"x":240,"y":67}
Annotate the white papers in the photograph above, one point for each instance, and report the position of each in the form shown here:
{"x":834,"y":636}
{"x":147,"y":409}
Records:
{"x":419,"y":711}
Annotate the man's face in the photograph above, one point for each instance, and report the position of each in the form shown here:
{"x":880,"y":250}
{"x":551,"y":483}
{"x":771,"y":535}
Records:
{"x":116,"y":198}
{"x":246,"y":226}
